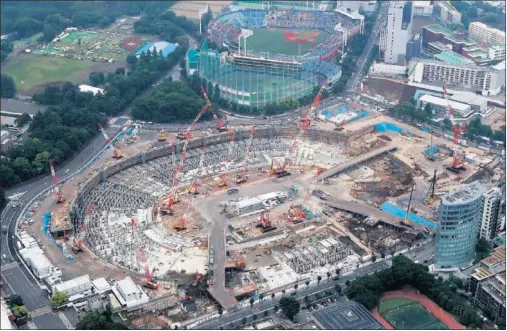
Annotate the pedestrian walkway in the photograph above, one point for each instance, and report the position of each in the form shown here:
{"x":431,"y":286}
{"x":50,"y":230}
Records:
{"x":65,"y":320}
{"x":31,"y":326}
{"x":8,"y":266}
{"x":40,"y":311}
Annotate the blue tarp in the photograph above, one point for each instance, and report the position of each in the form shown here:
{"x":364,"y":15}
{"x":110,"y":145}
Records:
{"x":400,"y":213}
{"x":332,"y":113}
{"x":431,"y":150}
{"x":165,"y":51}
{"x":386,"y":126}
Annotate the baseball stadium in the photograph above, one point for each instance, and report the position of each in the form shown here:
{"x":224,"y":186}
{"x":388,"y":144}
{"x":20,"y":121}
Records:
{"x":274,"y":54}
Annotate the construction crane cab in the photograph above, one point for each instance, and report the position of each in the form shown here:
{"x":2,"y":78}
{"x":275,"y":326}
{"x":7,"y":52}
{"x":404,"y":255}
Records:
{"x":117,"y":154}
{"x":179,"y":224}
{"x":152,"y":284}
{"x":223,"y":128}
{"x":161,"y":135}
{"x":60,"y":199}
{"x":222,"y":180}
{"x":181,"y":136}
{"x":77,"y":246}
{"x":192,"y":189}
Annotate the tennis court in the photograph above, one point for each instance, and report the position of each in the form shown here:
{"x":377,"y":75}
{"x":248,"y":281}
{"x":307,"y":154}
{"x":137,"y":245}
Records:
{"x":274,"y":40}
{"x":406,"y":314}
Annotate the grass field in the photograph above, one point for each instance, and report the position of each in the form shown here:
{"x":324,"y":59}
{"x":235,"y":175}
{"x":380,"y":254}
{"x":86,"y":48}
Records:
{"x":272,"y":40}
{"x":30,"y":71}
{"x":406,"y":314}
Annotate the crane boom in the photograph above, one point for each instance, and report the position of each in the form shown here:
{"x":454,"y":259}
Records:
{"x":312,"y":186}
{"x":59,"y":197}
{"x":117,"y":153}
{"x":223,"y":176}
{"x":242,"y":171}
{"x":220,"y":125}
{"x":141,"y":254}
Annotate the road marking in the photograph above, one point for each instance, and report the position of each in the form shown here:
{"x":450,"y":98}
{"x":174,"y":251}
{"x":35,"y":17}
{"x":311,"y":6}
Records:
{"x":65,"y":320}
{"x":32,"y":326}
{"x":8,"y":266}
{"x":40,"y":311}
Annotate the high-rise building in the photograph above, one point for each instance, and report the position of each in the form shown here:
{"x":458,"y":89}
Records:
{"x":446,"y":12}
{"x":460,"y":215}
{"x":414,"y":46}
{"x":490,"y":214}
{"x":486,"y":34}
{"x":399,"y":30}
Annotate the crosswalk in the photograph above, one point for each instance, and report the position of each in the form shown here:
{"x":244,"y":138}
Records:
{"x":32,"y":326}
{"x":40,"y":311}
{"x":65,"y":320}
{"x":7,"y":266}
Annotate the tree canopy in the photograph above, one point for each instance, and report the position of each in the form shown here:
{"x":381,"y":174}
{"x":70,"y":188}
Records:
{"x":7,"y":86}
{"x":59,"y":299}
{"x":367,"y":290}
{"x":290,"y":307}
{"x":99,"y":321}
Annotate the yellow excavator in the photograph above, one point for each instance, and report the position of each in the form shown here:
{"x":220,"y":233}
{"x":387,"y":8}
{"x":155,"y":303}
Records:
{"x":161,"y":135}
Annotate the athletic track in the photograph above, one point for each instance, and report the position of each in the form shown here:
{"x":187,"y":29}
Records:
{"x":425,"y":302}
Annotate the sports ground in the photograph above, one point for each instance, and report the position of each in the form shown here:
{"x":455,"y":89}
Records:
{"x":285,"y":41}
{"x":409,"y":310}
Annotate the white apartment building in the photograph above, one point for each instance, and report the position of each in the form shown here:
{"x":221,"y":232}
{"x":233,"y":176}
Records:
{"x":129,"y":294}
{"x":448,"y":13}
{"x":489,"y":213}
{"x":484,"y":33}
{"x":422,"y":8}
{"x":496,"y":52}
{"x":439,"y":106}
{"x":486,"y":80}
{"x":399,"y":30}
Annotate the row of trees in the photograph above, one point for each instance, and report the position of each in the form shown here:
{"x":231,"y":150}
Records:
{"x":71,"y":120}
{"x":7,"y":86}
{"x":480,"y":10}
{"x":94,"y":320}
{"x":26,"y":18}
{"x":367,"y":290}
{"x":16,"y":304}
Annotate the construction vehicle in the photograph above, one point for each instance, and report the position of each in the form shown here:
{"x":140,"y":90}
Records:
{"x":430,"y":196}
{"x":59,"y":196}
{"x":197,"y":279}
{"x":117,"y":153}
{"x":264,"y":222}
{"x":192,"y":189}
{"x":181,"y":136}
{"x":220,"y":126}
{"x":161,"y":135}
{"x":222,"y":180}
{"x":297,"y":214}
{"x":167,"y":211}
{"x":151,"y":282}
{"x":406,"y":221}
{"x":242,"y":176}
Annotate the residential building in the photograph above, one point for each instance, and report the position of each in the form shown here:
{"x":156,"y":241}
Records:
{"x":484,"y":80}
{"x":76,"y":288}
{"x":422,"y":8}
{"x":192,"y":63}
{"x":488,"y":267}
{"x":460,"y":213}
{"x":6,"y":316}
{"x":446,"y":12}
{"x":399,"y":30}
{"x":439,"y":106}
{"x":39,"y":263}
{"x":457,"y":39}
{"x":477,"y":103}
{"x":486,"y":34}
{"x":436,"y":47}
{"x":490,"y":214}
{"x":414,"y":47}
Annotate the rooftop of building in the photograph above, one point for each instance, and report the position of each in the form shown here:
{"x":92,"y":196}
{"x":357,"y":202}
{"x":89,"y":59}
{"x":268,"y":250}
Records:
{"x":397,"y":4}
{"x":421,"y":4}
{"x":72,"y":283}
{"x":437,"y":62}
{"x":453,"y":58}
{"x":485,"y":26}
{"x":127,"y":286}
{"x":440,"y":44}
{"x":447,"y":5}
{"x":469,"y":193}
{"x":496,"y":257}
{"x":458,"y":106}
{"x":346,"y":316}
{"x":493,"y":192}
{"x":491,"y":265}
{"x":457,"y":37}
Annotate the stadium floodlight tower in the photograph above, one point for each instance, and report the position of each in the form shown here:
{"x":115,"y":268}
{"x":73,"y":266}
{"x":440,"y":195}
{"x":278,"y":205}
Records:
{"x":201,"y":14}
{"x":245,"y":33}
{"x":345,"y":35}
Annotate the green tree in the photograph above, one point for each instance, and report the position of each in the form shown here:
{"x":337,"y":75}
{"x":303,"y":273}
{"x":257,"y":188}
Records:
{"x":7,"y":86}
{"x":131,"y":60}
{"x":338,"y":288}
{"x":22,"y":167}
{"x":49,"y":32}
{"x":3,"y":199}
{"x":319,"y":278}
{"x":252,"y":300}
{"x":447,"y":123}
{"x":41,"y":162}
{"x":290,"y":307}
{"x":23,"y":119}
{"x":20,"y":311}
{"x":328,"y":275}
{"x":272,"y":296}
{"x":220,"y":311}
{"x":59,"y":299}
{"x":15,"y":300}
{"x":99,"y":321}
{"x":97,"y":78}
{"x":296,"y":287}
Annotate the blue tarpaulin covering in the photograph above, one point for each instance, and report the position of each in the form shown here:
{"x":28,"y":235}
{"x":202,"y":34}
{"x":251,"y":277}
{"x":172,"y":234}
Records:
{"x":431,"y":150}
{"x":400,"y":213}
{"x":386,"y":126}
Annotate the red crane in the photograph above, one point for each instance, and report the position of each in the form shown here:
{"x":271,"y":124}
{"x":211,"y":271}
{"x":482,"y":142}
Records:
{"x":220,"y":126}
{"x":59,"y":196}
{"x":223,"y":176}
{"x":77,"y":245}
{"x":142,"y":259}
{"x":117,"y":153}
{"x":303,"y":125}
{"x":457,"y":158}
{"x":242,"y":176}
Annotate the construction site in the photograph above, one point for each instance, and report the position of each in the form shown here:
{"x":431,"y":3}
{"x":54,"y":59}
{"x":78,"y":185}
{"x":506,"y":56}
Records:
{"x":216,"y":218}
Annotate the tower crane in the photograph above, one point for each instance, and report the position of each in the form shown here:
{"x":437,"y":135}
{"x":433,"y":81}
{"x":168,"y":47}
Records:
{"x":192,"y":189}
{"x":457,"y":158}
{"x":405,"y":221}
{"x":220,"y":126}
{"x":117,"y":153}
{"x":59,"y":196}
{"x":151,"y":282}
{"x":303,"y":125}
{"x":430,"y":196}
{"x":77,"y":245}
{"x":223,"y":176}
{"x":173,"y":198}
{"x":242,"y":176}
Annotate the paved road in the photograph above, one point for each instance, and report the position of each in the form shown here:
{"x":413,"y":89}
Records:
{"x":354,"y":81}
{"x":268,"y":304}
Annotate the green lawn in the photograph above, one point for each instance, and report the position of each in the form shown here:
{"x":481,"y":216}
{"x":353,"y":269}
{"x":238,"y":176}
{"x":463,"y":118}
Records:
{"x":272,"y":40}
{"x":393,"y":303}
{"x":30,"y":71}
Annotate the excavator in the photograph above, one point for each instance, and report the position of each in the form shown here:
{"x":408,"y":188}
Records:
{"x":161,"y":135}
{"x":296,"y":214}
{"x":430,"y":196}
{"x":164,"y":210}
{"x":178,"y":224}
{"x":222,"y":180}
{"x":264,"y":222}
{"x":151,"y":282}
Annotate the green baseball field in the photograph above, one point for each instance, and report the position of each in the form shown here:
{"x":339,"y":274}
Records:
{"x":284,"y":41}
{"x":406,"y":314}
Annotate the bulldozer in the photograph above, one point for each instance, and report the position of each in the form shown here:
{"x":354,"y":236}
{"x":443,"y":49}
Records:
{"x":161,"y":135}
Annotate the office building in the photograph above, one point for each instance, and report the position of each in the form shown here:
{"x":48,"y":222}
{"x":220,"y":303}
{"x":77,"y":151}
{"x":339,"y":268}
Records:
{"x":484,"y":80}
{"x":490,"y":214}
{"x":460,"y":214}
{"x":399,"y":30}
{"x":486,"y":34}
{"x":439,"y":106}
{"x":446,"y":12}
{"x":487,"y":284}
{"x":414,"y":47}
{"x":456,"y":39}
{"x":422,"y":8}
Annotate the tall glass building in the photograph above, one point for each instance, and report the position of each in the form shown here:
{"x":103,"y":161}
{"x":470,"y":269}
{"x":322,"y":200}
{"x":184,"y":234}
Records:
{"x":460,"y":216}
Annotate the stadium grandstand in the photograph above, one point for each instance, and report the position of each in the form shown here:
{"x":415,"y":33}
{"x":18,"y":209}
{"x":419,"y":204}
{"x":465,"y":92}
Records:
{"x":274,"y":54}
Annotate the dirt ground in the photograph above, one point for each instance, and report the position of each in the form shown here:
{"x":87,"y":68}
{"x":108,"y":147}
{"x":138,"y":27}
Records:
{"x":496,"y":119}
